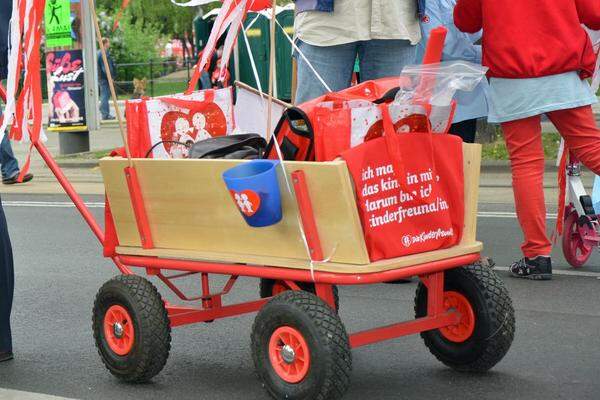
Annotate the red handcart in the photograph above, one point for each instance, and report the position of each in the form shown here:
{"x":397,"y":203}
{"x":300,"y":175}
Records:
{"x":299,"y":344}
{"x":173,"y":219}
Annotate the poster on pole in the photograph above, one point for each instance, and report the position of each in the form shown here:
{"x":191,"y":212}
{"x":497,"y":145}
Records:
{"x":66,"y":97}
{"x":57,"y":22}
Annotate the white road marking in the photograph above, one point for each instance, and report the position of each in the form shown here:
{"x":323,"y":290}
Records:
{"x":54,"y":204}
{"x":565,"y":272}
{"x":506,"y":214}
{"x":481,"y":214}
{"x":6,"y":394}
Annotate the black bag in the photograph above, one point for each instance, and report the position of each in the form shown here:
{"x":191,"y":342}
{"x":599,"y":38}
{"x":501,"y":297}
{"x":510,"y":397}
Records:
{"x":295,"y":136}
{"x":237,"y":147}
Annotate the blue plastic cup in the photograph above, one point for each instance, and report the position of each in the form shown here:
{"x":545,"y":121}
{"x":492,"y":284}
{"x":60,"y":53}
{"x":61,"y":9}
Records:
{"x":254,"y":189}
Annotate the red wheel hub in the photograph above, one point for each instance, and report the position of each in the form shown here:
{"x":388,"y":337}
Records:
{"x":464,"y":329}
{"x":118,"y":330}
{"x":289,"y":354}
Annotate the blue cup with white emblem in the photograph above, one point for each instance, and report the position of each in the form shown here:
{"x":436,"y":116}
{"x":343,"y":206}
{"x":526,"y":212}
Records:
{"x":254,"y":188}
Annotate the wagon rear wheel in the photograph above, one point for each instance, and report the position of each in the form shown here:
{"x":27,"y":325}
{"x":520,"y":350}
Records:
{"x":300,"y":348}
{"x":486,"y":329}
{"x":272,"y":287}
{"x":131,"y":328}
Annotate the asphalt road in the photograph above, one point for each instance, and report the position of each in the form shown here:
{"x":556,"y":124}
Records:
{"x":59,"y":269}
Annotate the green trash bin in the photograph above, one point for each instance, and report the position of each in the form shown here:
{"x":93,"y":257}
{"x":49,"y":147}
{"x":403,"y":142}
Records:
{"x":258,"y":39}
{"x":283,"y":54}
{"x":202,"y":27}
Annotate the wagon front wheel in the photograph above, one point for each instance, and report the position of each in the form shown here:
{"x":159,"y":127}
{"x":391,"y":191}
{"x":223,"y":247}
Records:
{"x":486,"y":329}
{"x":131,"y":328}
{"x":300,"y":348}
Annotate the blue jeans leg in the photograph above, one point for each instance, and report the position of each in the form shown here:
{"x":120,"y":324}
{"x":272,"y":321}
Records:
{"x":104,"y":96}
{"x":205,"y":81}
{"x":7,"y":282}
{"x":384,"y":58}
{"x":8,"y":163}
{"x":335,"y":64}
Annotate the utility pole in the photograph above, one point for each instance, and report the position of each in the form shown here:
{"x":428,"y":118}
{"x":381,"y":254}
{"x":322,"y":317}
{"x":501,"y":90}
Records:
{"x":91,"y":68}
{"x":73,"y":136}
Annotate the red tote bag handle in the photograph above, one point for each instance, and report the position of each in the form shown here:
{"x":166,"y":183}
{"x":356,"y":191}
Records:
{"x":392,"y":142}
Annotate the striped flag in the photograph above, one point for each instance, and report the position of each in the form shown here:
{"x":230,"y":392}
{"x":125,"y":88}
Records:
{"x":23,"y":109}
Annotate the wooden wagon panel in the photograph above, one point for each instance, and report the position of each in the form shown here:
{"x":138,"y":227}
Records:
{"x":193,"y":217}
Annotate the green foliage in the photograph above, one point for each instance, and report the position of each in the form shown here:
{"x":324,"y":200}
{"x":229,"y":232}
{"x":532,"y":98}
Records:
{"x":132,"y":42}
{"x":161,"y":16}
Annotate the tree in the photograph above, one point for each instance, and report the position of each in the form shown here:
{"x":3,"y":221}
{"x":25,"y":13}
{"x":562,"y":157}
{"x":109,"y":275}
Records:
{"x":163,"y":17}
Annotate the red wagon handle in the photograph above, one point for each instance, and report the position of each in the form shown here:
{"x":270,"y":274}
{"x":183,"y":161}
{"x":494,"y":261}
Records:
{"x":73,"y":195}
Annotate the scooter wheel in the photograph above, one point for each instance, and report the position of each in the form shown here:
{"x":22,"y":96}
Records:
{"x":576,"y":249}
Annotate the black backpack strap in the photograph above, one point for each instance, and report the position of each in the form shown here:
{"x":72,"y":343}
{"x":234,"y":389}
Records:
{"x":290,"y":150}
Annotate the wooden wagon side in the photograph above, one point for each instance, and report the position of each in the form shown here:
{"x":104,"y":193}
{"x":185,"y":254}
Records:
{"x":191,"y":216}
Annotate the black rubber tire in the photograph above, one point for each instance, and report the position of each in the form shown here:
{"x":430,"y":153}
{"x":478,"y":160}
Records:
{"x":266,"y":290}
{"x":328,"y":376}
{"x":151,"y":326}
{"x":494,"y":320}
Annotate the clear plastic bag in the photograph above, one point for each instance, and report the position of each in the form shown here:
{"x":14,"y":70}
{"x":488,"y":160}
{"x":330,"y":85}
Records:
{"x":436,"y":84}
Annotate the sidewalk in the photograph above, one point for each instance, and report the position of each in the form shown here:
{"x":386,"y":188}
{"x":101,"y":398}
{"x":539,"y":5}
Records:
{"x":496,"y":185}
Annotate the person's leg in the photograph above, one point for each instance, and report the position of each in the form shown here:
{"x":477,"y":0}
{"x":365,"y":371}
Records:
{"x":205,"y":81}
{"x":582,"y":136}
{"x":333,"y":63}
{"x":383,"y":58}
{"x":465,"y":129}
{"x":104,"y":95}
{"x":9,"y":165}
{"x":6,"y":286}
{"x":524,"y":141}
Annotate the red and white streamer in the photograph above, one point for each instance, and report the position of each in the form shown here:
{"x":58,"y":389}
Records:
{"x":237,"y":19}
{"x":23,"y":109}
{"x":222,"y":22}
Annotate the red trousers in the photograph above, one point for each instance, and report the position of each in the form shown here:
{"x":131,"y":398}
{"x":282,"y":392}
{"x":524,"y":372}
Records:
{"x":524,"y":141}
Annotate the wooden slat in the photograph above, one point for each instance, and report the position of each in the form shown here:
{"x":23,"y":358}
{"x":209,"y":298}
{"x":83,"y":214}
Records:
{"x":472,"y":167}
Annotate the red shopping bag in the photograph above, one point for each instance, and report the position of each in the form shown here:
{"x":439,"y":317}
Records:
{"x":294,"y":132}
{"x":409,"y":189}
{"x":340,"y":125}
{"x":155,"y":126}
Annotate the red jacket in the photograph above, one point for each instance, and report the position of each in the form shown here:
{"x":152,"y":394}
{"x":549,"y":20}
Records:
{"x":532,"y":38}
